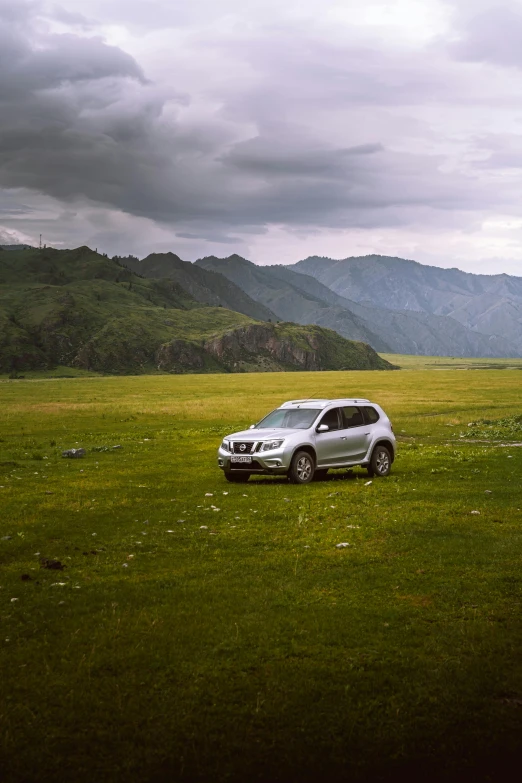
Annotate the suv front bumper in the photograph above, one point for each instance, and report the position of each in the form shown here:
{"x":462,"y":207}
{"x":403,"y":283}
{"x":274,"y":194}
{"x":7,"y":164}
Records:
{"x":273,"y":462}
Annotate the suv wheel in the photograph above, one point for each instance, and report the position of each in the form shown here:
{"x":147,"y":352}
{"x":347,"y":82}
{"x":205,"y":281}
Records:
{"x":236,"y":478}
{"x":302,"y":468}
{"x":380,"y":463}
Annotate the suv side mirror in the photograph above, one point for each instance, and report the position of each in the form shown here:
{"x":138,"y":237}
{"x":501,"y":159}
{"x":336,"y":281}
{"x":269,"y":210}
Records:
{"x":252,"y":427}
{"x":323,"y":428}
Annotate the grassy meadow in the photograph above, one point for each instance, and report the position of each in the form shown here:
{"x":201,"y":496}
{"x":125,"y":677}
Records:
{"x":208,"y":631}
{"x":412,"y":362}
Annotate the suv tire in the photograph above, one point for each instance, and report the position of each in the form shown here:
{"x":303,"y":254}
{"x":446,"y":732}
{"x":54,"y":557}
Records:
{"x":380,"y":462}
{"x":237,"y":478}
{"x":302,"y":468}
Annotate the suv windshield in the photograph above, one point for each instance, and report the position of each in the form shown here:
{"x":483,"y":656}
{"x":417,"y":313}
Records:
{"x":290,"y":418}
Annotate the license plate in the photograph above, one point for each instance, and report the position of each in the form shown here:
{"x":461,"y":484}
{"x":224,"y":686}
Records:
{"x":235,"y":460}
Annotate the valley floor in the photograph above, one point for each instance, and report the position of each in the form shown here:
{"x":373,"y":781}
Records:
{"x":207,"y":631}
{"x":412,"y":362}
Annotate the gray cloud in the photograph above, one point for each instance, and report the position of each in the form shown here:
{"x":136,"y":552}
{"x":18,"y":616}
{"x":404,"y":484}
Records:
{"x":494,"y":36}
{"x":12,"y":12}
{"x":501,"y":151}
{"x":71,"y":18}
{"x":9,"y":237}
{"x":275,"y":126}
{"x":263,"y":156}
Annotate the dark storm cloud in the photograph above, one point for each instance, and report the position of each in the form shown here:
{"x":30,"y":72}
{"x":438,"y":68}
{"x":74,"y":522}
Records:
{"x":80,"y":122}
{"x":261,"y":156}
{"x":76,"y":118}
{"x":360,"y":186}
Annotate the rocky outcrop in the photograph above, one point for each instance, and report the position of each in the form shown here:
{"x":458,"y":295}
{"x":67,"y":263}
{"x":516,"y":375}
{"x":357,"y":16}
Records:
{"x":248,"y":343}
{"x":268,"y":347}
{"x":179,"y":356}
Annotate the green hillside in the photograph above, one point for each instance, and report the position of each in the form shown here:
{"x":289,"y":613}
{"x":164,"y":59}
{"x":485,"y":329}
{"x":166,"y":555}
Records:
{"x":204,"y":285}
{"x":76,"y":308}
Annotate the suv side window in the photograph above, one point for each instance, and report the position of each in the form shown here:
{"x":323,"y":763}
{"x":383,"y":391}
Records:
{"x":332,"y":418}
{"x":352,"y":417}
{"x":370,"y":415}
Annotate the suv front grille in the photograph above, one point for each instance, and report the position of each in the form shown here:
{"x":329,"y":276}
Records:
{"x":242,"y":447}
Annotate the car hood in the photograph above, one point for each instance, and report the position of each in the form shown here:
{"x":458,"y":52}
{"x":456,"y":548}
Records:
{"x":263,"y":433}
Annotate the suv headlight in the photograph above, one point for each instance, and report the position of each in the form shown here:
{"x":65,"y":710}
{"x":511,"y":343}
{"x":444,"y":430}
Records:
{"x":271,"y":444}
{"x":225,"y":445}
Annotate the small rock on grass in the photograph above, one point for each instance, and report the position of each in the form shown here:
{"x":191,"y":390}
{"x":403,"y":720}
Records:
{"x":342,"y":545}
{"x":54,"y":565}
{"x":475,"y":512}
{"x":73,"y":453}
{"x":367,"y":483}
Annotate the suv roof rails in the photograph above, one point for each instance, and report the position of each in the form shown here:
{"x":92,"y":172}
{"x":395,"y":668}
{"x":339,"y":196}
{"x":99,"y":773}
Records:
{"x":323,"y":401}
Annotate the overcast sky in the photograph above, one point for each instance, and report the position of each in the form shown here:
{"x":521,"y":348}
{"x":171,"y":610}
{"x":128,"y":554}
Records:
{"x":273,"y":129}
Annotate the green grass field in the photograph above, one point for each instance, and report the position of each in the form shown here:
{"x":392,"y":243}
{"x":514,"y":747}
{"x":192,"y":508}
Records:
{"x":206,"y":631}
{"x":411,"y":362}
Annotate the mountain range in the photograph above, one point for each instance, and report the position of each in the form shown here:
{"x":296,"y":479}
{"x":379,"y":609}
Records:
{"x":77,"y":308}
{"x":116,"y":315}
{"x":486,"y":304}
{"x":350,"y":300}
{"x":204,"y":286}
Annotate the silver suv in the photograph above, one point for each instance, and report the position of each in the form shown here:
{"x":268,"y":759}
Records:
{"x":304,"y":438}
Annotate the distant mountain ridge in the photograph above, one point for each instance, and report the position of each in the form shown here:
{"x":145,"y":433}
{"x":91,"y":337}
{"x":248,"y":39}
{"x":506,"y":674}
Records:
{"x":290,"y":295}
{"x":80,"y":307}
{"x":77,"y":308}
{"x":403,"y":284}
{"x":292,"y":291}
{"x":204,"y":286}
{"x":490,"y":305}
